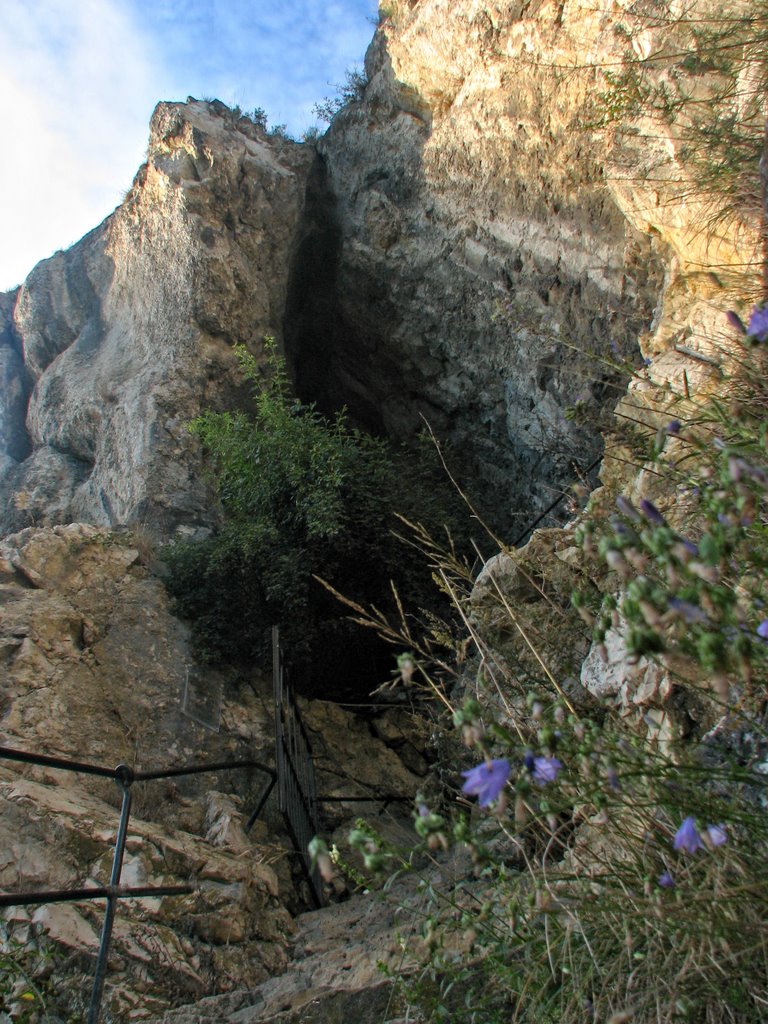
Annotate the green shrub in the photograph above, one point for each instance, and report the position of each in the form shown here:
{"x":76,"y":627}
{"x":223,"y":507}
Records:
{"x":302,"y":496}
{"x":351,"y":91}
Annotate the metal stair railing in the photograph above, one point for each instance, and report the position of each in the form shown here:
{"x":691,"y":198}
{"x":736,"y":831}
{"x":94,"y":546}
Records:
{"x":124,"y":776}
{"x":296,"y":786}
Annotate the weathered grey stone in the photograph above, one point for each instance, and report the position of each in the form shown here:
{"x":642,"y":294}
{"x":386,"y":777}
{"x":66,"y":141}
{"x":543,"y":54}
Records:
{"x":462,"y":259}
{"x":128,"y":335}
{"x":608,"y":671}
{"x":334,"y":973}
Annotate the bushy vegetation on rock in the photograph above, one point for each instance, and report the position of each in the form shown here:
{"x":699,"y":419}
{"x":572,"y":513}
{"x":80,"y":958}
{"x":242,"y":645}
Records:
{"x":303,"y":496}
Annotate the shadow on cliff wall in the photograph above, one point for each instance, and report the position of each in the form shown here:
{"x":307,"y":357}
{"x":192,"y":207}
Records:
{"x":439,"y":276}
{"x":15,"y":387}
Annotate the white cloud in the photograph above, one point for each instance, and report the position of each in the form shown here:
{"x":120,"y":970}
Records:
{"x":79,"y":80}
{"x":77,"y":94}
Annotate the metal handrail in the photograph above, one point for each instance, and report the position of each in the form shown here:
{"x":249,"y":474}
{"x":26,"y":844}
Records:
{"x":297,"y":789}
{"x":124,"y":776}
{"x":297,"y":800}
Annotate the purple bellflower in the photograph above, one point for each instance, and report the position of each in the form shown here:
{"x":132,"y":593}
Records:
{"x":717,"y":835}
{"x":545,"y":769}
{"x":757,"y":327}
{"x":651,"y":513}
{"x":666,"y":881}
{"x":687,"y":837}
{"x":762,"y":630}
{"x":486,"y":781}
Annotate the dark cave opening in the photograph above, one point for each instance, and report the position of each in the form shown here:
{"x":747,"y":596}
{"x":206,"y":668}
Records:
{"x":345,"y":669}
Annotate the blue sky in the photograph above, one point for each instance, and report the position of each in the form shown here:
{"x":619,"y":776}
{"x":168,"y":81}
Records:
{"x":79,"y":80}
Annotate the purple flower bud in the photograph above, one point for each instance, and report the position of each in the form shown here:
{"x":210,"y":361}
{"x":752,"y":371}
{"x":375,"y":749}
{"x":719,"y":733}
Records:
{"x":717,"y":835}
{"x":625,"y":506}
{"x":666,"y":881}
{"x":687,"y":837}
{"x":651,"y":513}
{"x":674,"y":427}
{"x":735,"y":321}
{"x":486,"y":781}
{"x":545,"y":769}
{"x":757,"y":327}
{"x":529,"y":761}
{"x":762,"y":630}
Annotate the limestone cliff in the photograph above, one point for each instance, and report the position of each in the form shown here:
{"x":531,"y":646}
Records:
{"x":485,"y":275}
{"x":486,"y":247}
{"x":466,"y":246}
{"x":112,"y":347}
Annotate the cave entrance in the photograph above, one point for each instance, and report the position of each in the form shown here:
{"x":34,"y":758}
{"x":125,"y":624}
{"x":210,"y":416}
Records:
{"x":345,"y":666}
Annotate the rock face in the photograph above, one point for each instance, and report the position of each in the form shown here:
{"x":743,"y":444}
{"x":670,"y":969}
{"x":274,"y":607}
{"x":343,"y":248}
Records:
{"x":466,"y":247}
{"x":462,"y":246}
{"x":95,"y":668}
{"x":87,"y":636}
{"x":457,"y":257}
{"x":470,"y":264}
{"x":110,"y":349}
{"x":346,"y":960}
{"x":334,"y":973}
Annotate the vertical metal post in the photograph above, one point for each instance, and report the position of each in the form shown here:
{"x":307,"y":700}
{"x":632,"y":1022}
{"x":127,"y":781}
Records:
{"x":124,"y":776}
{"x":277,"y":683}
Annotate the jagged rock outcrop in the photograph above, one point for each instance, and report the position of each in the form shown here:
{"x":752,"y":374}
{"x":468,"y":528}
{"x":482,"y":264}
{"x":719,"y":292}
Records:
{"x":467,"y":246}
{"x":335,"y":972}
{"x":346,"y":960}
{"x":95,"y":668}
{"x":109,"y":349}
{"x":86,"y":636}
{"x":485,"y":275}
